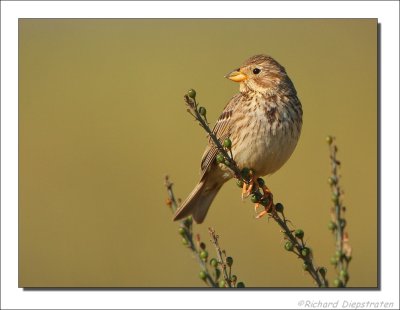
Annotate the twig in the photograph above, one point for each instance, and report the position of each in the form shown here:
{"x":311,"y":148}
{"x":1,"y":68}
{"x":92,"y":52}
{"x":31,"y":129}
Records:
{"x":343,"y":249}
{"x":221,"y":260}
{"x":296,"y":244}
{"x":185,"y":230}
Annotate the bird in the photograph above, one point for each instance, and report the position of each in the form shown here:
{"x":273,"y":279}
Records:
{"x":263,"y":122}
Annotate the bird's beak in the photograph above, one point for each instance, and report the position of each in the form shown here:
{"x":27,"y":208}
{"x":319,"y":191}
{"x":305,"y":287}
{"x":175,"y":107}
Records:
{"x":236,"y":76}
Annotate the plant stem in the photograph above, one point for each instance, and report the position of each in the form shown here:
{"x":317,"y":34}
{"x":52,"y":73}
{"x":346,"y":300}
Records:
{"x":221,"y":260}
{"x":311,"y":269}
{"x":343,"y":248}
{"x":188,"y":233}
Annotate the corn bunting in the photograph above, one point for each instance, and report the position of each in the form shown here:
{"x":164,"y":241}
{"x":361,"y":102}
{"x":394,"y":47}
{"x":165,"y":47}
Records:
{"x":263,"y":121}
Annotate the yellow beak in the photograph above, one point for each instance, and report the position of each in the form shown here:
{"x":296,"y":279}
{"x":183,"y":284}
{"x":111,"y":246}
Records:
{"x":236,"y":76}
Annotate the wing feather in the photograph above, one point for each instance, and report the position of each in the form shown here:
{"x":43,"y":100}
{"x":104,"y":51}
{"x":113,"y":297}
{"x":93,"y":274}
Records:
{"x":222,"y":131}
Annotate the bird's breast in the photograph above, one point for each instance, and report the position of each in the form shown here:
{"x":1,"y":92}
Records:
{"x":265,"y":133}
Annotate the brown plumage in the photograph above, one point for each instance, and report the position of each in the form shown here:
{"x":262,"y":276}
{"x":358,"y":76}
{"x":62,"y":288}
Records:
{"x":263,"y":122}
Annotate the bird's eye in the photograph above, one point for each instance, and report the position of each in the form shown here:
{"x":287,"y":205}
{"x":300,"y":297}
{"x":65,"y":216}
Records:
{"x":256,"y":71}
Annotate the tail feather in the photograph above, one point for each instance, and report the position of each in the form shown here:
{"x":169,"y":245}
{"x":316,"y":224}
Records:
{"x":198,"y":202}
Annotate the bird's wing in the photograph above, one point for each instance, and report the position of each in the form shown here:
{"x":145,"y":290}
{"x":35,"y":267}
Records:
{"x":222,"y":131}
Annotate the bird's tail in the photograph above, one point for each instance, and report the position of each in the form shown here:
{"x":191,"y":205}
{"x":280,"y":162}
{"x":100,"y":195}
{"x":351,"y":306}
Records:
{"x":198,"y":202}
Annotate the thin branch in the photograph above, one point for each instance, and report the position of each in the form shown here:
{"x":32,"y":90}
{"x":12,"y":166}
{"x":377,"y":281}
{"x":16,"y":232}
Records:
{"x":186,"y":231}
{"x":221,"y":260}
{"x":317,"y":273}
{"x":343,"y":249}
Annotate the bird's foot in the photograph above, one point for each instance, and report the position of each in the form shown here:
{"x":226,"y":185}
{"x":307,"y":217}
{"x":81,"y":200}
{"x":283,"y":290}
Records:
{"x":267,"y":210}
{"x":249,"y":188}
{"x":266,"y":201}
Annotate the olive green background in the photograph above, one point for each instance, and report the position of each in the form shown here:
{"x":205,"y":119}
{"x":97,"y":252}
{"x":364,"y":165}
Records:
{"x":102,"y":120}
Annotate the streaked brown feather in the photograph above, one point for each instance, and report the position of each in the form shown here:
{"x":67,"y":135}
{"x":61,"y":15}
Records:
{"x":222,"y":131}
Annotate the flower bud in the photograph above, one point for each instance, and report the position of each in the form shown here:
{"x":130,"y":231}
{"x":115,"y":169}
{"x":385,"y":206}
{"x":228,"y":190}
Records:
{"x":337,"y":283}
{"x":279,"y":207}
{"x":240,"y":285}
{"x":228,"y":143}
{"x":203,"y":255}
{"x":289,"y":246}
{"x":299,"y":233}
{"x":181,"y":231}
{"x":202,"y":275}
{"x":220,"y":158}
{"x":332,"y":225}
{"x":261,"y":182}
{"x":213,"y":262}
{"x":202,"y":111}
{"x":192,"y":93}
{"x":305,"y":251}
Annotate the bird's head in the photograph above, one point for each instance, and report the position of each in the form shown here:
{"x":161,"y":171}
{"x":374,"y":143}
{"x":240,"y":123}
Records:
{"x":259,"y":73}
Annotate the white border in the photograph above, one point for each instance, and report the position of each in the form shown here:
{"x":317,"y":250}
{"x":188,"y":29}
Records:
{"x":14,"y":298}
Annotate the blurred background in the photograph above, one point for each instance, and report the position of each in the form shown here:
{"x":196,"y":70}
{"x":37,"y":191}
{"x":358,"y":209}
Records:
{"x":102,"y":121}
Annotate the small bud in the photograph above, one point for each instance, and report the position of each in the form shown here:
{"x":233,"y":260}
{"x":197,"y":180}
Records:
{"x":305,"y":251}
{"x":335,"y":198}
{"x":233,"y":278}
{"x":229,"y":261}
{"x":334,"y":260}
{"x":202,"y":111}
{"x":226,"y":162}
{"x":213,"y":262}
{"x":222,"y":283}
{"x":220,"y":158}
{"x":329,"y":140}
{"x":255,"y":198}
{"x":245,"y":173}
{"x":188,"y":221}
{"x":299,"y":233}
{"x":181,"y":231}
{"x":322,"y":271}
{"x":344,"y":275}
{"x":266,"y":201}
{"x":239,"y":183}
{"x":228,"y":143}
{"x":202,"y":275}
{"x":289,"y":246}
{"x":338,"y":255}
{"x":332,"y":180}
{"x":342,"y":223}
{"x":240,"y":285}
{"x":332,"y":225}
{"x":202,"y":245}
{"x":279,"y":207}
{"x":217,"y":273}
{"x":192,"y":93}
{"x":184,"y":242}
{"x":261,"y":182}
{"x":305,"y":266}
{"x":337,"y":283}
{"x":203,"y":255}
